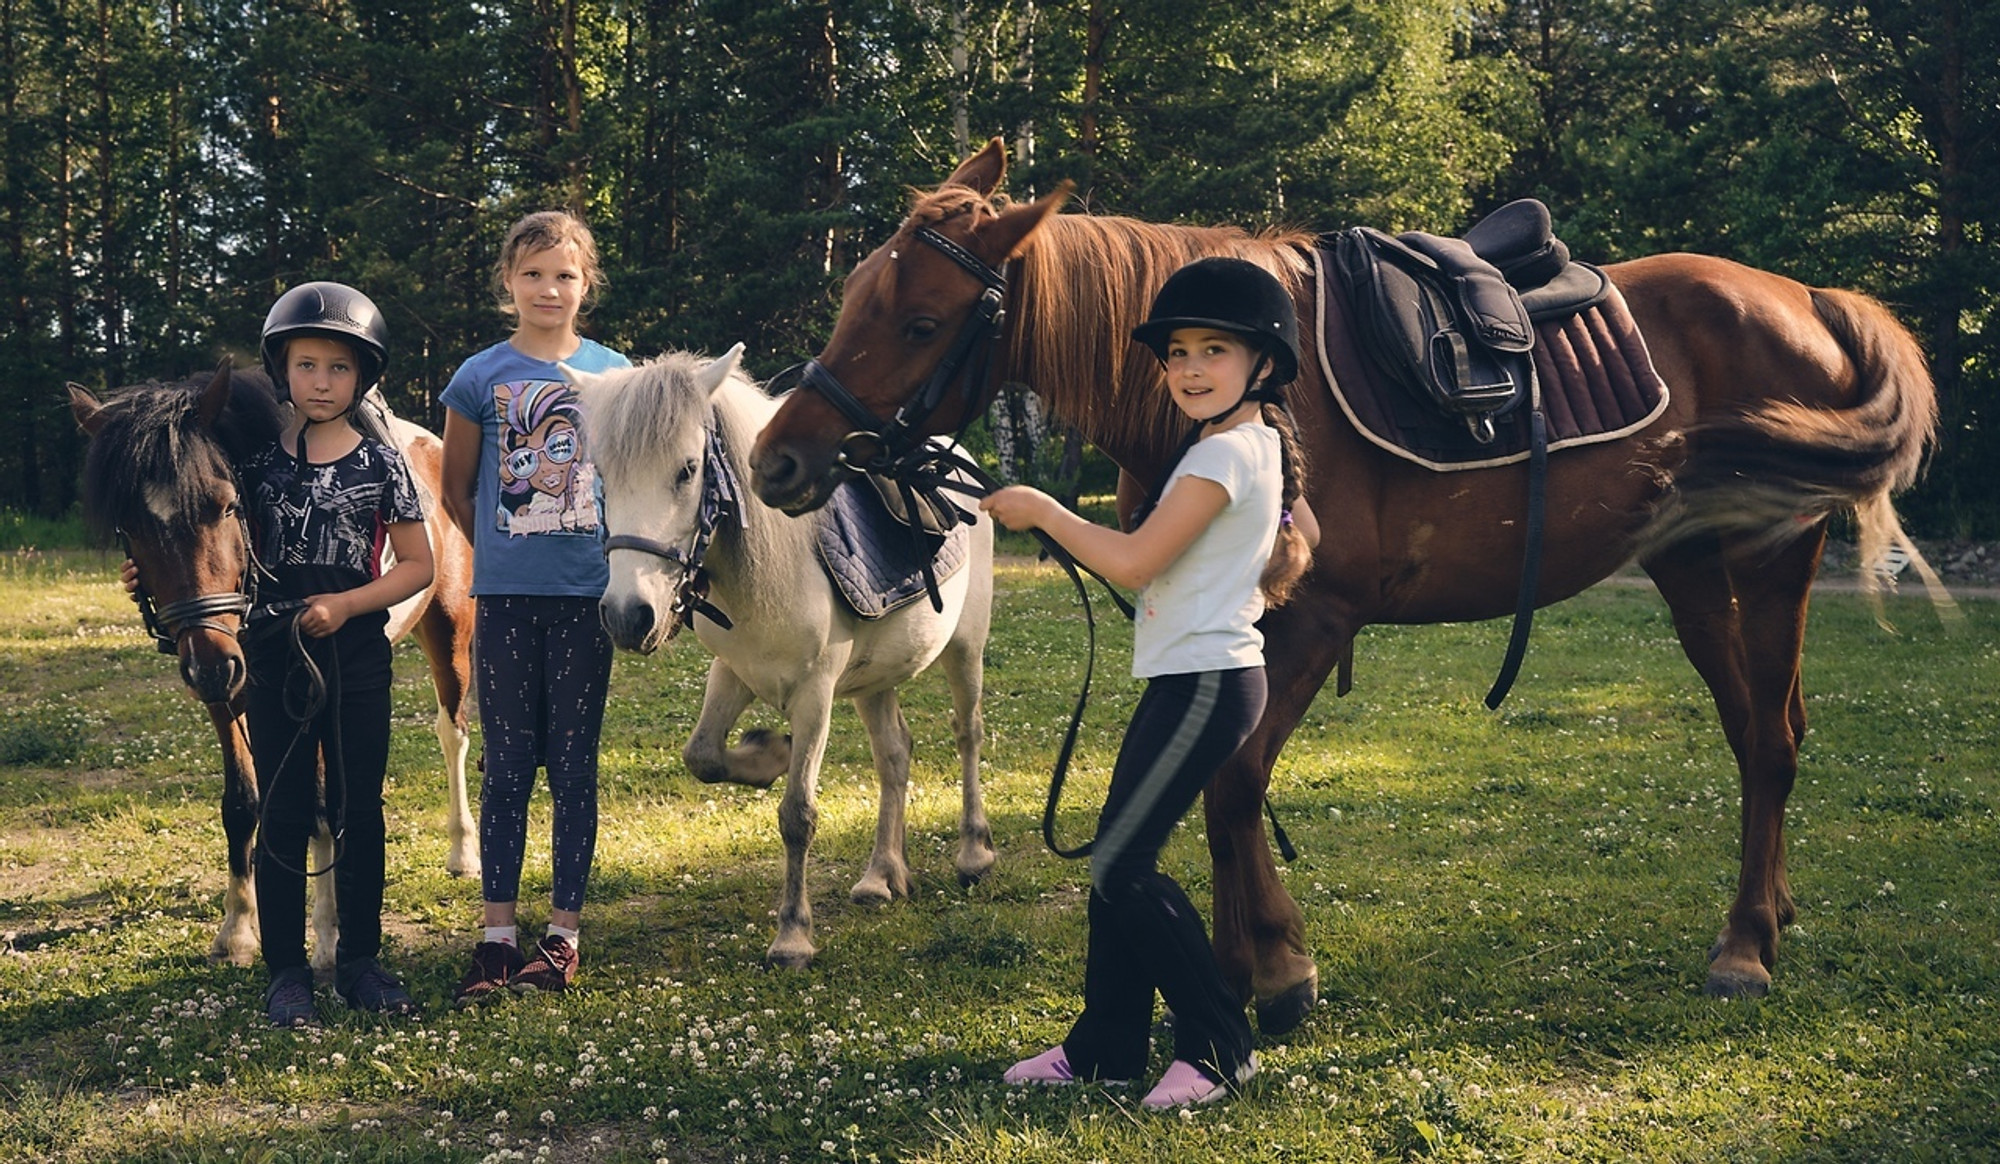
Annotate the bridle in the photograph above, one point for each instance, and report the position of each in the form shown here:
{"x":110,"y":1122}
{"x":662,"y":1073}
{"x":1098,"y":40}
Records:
{"x":721,"y":499}
{"x":897,"y":438}
{"x":166,"y":624}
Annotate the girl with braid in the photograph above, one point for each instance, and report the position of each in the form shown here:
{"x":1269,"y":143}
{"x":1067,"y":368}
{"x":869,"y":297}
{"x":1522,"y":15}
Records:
{"x":1226,"y":536}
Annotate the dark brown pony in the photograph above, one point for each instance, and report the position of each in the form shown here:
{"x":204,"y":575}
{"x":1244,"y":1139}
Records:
{"x":161,"y":472}
{"x":1788,"y":404}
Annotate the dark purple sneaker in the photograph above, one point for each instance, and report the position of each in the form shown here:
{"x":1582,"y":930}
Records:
{"x":552,"y":968}
{"x":288,"y":1001}
{"x":493,"y":964}
{"x":364,"y":985}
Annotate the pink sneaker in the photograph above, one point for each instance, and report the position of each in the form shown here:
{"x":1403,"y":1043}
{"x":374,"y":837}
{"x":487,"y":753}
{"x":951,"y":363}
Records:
{"x":1185,"y":1085}
{"x":1051,"y":1066}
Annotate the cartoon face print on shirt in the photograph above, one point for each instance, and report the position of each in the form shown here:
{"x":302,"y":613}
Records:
{"x":547,"y":485}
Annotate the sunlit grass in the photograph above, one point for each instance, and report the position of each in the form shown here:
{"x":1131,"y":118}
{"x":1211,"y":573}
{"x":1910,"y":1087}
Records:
{"x":1508,"y":910}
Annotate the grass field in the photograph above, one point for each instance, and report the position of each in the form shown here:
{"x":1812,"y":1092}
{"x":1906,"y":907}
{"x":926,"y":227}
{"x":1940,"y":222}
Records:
{"x":1509,"y":911}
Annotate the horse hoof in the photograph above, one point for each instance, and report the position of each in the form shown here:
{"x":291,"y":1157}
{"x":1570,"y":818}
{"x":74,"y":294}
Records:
{"x":974,"y":868}
{"x":1737,"y":983}
{"x":223,"y":956}
{"x":790,"y":959}
{"x":871,"y":893}
{"x":1283,"y":1012}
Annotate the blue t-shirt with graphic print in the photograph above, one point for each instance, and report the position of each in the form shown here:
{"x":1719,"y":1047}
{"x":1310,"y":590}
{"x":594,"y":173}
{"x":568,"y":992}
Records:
{"x":539,"y":524}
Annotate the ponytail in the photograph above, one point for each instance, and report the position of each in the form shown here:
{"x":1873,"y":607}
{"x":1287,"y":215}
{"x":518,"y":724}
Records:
{"x":1291,"y":557}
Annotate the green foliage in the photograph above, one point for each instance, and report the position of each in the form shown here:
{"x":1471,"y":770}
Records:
{"x":170,"y":168}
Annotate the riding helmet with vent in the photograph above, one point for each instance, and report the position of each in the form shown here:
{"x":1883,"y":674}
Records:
{"x":1230,"y":295}
{"x":333,"y":310}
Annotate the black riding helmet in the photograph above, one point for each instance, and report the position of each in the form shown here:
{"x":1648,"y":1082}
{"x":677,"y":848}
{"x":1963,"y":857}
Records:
{"x":1230,"y":295}
{"x":336,"y":311}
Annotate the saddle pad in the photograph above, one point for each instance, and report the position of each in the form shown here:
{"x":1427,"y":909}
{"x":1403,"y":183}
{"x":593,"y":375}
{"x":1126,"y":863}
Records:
{"x":1596,"y":378}
{"x":873,"y":560}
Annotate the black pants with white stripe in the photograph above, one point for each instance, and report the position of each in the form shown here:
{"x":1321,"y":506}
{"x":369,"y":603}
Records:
{"x":1145,"y":935}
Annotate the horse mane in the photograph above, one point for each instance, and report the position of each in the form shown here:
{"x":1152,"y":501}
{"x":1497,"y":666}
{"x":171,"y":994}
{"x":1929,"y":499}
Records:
{"x":1083,"y":283}
{"x":632,"y":414}
{"x":153,"y":449}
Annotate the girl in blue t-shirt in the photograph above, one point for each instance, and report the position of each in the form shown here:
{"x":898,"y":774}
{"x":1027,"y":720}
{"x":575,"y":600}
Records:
{"x":519,"y":483}
{"x":1227,"y":532}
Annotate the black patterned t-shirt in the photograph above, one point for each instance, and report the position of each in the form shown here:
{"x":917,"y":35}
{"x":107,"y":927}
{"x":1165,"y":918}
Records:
{"x":322,"y":528}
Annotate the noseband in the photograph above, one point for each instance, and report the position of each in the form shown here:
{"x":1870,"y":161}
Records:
{"x":721,"y":498}
{"x":166,"y":624}
{"x":876,"y":445}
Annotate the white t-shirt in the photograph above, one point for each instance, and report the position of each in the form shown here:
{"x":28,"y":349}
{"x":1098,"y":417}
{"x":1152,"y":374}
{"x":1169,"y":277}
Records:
{"x":1201,"y":613}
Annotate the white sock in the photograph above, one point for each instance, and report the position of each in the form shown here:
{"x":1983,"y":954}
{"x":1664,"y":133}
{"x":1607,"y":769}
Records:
{"x":567,"y":935}
{"x":505,"y":935}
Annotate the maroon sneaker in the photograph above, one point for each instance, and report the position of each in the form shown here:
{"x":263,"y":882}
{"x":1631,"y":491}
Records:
{"x":494,"y":964}
{"x":553,"y":967}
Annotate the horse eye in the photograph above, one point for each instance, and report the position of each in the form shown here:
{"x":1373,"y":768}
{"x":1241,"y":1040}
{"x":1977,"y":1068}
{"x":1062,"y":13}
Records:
{"x":920,"y":329}
{"x":687,"y":472}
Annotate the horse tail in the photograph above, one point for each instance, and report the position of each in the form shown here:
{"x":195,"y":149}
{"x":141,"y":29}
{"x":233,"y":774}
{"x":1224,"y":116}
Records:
{"x":1772,"y":472}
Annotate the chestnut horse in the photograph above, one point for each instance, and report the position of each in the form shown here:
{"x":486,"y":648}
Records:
{"x":1788,"y":404}
{"x":161,"y":472}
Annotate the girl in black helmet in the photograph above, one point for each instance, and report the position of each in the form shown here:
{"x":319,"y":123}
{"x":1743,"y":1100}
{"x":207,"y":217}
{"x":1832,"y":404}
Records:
{"x":1226,"y":536}
{"x":322,"y":501}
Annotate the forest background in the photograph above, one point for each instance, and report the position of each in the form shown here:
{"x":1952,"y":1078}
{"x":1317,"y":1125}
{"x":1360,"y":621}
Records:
{"x":171,"y":165}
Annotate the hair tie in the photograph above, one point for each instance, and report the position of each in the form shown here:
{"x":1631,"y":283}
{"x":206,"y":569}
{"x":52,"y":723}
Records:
{"x":1284,"y":517}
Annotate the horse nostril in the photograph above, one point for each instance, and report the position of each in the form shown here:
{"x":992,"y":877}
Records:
{"x":626,"y":622}
{"x":778,"y":470}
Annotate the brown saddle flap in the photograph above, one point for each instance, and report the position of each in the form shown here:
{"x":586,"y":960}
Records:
{"x":1595,"y":377}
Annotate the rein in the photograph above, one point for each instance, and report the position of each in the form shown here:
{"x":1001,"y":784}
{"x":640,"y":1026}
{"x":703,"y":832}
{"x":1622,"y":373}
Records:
{"x":904,"y":456}
{"x":932,"y":466}
{"x":721,"y":499}
{"x":302,"y":712}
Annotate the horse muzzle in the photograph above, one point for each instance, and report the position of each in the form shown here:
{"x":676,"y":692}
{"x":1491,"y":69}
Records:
{"x":212,"y":666}
{"x":634,"y":624}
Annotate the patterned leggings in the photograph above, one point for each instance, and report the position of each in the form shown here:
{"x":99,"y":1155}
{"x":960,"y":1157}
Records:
{"x":544,"y":665}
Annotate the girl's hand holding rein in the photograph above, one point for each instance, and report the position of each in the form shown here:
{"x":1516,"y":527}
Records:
{"x":1131,"y":559}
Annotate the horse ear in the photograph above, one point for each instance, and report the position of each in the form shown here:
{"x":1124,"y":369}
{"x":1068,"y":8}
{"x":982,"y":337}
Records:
{"x":717,"y":370}
{"x":85,"y":407}
{"x":577,"y":377}
{"x":983,"y":170}
{"x":1016,"y":223}
{"x":215,"y":397}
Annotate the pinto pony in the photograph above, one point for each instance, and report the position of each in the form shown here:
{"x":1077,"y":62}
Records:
{"x":161,"y":473}
{"x":1789,"y":404}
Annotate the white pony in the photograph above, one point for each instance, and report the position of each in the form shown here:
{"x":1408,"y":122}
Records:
{"x":792,"y":642}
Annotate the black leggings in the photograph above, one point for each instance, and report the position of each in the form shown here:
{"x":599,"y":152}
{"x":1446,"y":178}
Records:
{"x":1145,"y":934}
{"x":352,"y":729}
{"x":544,"y":666}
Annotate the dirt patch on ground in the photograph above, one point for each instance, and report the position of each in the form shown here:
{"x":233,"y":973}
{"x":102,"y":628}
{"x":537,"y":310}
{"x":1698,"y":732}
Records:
{"x":1959,"y":562}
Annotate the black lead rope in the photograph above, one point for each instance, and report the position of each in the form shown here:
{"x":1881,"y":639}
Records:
{"x":932,"y":466}
{"x":900,"y":454}
{"x":302,"y":712}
